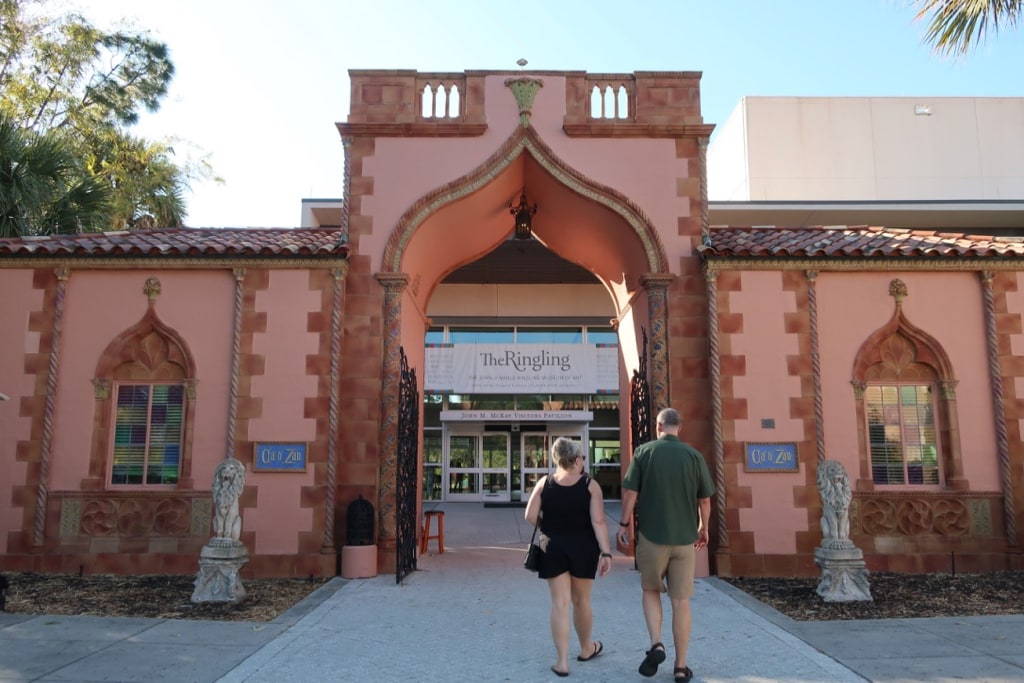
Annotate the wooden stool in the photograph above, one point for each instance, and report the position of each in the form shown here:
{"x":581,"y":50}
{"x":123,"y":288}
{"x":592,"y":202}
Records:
{"x":427,"y":516}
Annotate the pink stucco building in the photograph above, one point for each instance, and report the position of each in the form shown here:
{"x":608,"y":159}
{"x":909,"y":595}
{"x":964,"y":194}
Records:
{"x":135,"y":362}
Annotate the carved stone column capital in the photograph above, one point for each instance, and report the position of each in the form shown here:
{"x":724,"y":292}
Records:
{"x":341,"y":272}
{"x":393,"y":282}
{"x":859,"y":389}
{"x":659,"y":282}
{"x":948,"y":388}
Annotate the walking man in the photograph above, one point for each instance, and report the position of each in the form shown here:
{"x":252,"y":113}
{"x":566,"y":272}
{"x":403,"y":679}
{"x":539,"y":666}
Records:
{"x":669,"y":485}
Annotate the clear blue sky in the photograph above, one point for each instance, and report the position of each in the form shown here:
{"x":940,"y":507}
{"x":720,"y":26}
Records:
{"x":260,"y":83}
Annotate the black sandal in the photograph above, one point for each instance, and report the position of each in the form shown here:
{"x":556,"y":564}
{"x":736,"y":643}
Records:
{"x":652,"y":658}
{"x":598,"y":649}
{"x":682,"y":674}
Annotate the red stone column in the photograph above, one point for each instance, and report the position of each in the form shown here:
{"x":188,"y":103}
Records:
{"x":394,"y":285}
{"x":656,"y":285}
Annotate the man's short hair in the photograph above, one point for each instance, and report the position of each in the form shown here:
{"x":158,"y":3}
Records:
{"x":669,"y":417}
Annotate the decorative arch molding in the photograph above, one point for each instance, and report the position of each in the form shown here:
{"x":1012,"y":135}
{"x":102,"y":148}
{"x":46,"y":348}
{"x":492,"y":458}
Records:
{"x":150,"y":350}
{"x":900,"y":351}
{"x":155,"y":349}
{"x":150,"y":344}
{"x":900,"y":346}
{"x":524,"y":139}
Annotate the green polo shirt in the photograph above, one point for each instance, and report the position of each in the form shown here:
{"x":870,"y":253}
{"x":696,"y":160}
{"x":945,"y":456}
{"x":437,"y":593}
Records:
{"x":669,"y":477}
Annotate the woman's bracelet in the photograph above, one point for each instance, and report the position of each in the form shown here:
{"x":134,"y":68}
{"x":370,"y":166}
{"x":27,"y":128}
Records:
{"x":608,"y":555}
{"x":623,"y":523}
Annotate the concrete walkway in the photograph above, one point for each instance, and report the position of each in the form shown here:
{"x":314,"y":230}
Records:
{"x":473,"y":613}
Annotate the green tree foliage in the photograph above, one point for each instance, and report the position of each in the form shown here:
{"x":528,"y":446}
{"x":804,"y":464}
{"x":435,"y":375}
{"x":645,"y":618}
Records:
{"x":955,"y":27}
{"x":62,"y":72}
{"x":42,"y":187}
{"x":148,"y":188}
{"x":72,"y":84}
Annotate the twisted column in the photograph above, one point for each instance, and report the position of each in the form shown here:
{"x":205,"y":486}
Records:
{"x":711,"y":280}
{"x":819,"y":413}
{"x":998,"y":407}
{"x":394,"y":285}
{"x":346,"y":143}
{"x":46,"y":445}
{"x":338,"y":275}
{"x":656,"y":285}
{"x":705,"y":221}
{"x":236,"y":354}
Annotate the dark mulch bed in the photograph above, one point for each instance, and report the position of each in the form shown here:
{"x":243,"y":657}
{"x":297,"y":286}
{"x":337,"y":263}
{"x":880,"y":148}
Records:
{"x":164,"y":597}
{"x":896,"y":596}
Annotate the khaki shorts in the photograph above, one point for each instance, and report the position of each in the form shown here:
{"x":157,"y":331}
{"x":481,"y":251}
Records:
{"x":660,"y":563}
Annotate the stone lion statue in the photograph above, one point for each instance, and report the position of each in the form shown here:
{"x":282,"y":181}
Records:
{"x":834,"y":488}
{"x":228,"y":483}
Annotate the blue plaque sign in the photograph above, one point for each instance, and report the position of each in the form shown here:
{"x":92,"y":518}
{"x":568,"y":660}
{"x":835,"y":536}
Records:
{"x":771,"y":457}
{"x":279,"y":457}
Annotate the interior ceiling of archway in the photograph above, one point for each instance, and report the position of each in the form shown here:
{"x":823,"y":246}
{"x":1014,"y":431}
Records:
{"x":576,"y":240}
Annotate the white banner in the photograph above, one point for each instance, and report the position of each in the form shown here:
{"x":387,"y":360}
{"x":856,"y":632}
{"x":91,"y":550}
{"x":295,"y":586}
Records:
{"x":522,"y":368}
{"x":517,"y":415}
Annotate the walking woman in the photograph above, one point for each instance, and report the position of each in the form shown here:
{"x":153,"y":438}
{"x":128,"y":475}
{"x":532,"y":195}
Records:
{"x":576,"y":545}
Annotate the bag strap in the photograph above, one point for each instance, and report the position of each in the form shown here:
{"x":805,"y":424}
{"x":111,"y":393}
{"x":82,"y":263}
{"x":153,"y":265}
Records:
{"x":536,"y":525}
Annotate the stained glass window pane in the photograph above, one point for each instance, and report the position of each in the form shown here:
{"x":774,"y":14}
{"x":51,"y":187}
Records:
{"x":148,"y":434}
{"x":902,"y":439}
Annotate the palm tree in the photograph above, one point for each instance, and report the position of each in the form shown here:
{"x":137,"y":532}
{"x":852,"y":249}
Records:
{"x":43,"y":190}
{"x":147,"y":187}
{"x":956,"y":26}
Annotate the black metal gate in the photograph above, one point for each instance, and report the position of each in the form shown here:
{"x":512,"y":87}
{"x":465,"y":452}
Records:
{"x":405,"y":490}
{"x":640,"y":401}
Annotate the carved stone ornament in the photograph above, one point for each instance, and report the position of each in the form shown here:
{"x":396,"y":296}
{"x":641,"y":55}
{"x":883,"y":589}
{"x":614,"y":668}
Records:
{"x":524,"y":90}
{"x":151,"y":289}
{"x":224,"y":555}
{"x":898,"y":291}
{"x":843,"y":571}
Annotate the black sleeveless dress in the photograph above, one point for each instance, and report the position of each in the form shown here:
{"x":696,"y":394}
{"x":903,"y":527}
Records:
{"x":565,"y":519}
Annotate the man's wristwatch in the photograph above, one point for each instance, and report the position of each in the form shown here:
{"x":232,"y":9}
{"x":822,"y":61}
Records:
{"x":623,"y":523}
{"x":608,"y":555}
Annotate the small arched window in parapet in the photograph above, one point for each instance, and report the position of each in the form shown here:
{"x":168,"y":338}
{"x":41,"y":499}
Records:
{"x":440,"y":102}
{"x":427,"y":103}
{"x":609,"y":102}
{"x":596,"y":103}
{"x":622,"y":109}
{"x":454,"y":102}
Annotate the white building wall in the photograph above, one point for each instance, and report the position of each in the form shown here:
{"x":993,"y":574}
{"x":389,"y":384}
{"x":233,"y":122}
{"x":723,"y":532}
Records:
{"x":869,"y":149}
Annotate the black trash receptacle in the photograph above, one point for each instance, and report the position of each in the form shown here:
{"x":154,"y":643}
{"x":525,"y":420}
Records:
{"x":359,"y":555}
{"x":360,"y":522}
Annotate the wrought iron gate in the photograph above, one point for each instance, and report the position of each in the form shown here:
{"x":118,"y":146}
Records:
{"x":640,"y":401}
{"x":405,"y":490}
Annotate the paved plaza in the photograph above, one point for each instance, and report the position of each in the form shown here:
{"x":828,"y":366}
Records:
{"x":474,"y":614}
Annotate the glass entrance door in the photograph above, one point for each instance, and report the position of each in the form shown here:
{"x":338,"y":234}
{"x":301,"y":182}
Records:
{"x":536,"y":453}
{"x":478,"y":466}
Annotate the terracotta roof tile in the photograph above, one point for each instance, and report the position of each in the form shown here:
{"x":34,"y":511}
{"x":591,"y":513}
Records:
{"x":184,"y":242}
{"x":855,"y":241}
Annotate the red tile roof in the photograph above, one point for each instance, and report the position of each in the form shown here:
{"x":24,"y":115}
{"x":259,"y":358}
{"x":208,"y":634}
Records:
{"x":855,"y":241}
{"x":184,"y":242}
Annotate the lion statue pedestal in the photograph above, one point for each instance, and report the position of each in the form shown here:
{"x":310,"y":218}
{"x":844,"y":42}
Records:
{"x":224,"y":555}
{"x":844,"y":576}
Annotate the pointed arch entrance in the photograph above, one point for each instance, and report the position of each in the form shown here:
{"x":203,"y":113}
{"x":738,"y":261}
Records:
{"x":579,"y":220}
